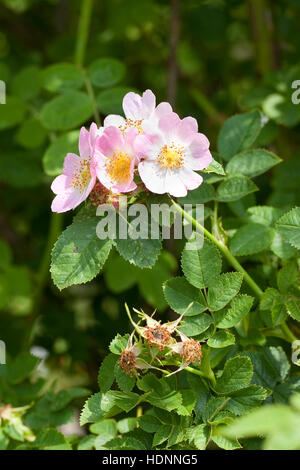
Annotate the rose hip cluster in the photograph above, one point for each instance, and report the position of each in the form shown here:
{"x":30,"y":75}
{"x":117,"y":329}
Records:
{"x":151,"y":144}
{"x":158,"y":336}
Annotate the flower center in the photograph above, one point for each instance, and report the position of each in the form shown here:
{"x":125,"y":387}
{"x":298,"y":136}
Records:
{"x":81,"y":175}
{"x":129,"y":123}
{"x":171,"y":156}
{"x":118,"y":167}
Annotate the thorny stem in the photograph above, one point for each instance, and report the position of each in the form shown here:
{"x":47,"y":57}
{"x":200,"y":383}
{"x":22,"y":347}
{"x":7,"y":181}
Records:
{"x":289,"y":336}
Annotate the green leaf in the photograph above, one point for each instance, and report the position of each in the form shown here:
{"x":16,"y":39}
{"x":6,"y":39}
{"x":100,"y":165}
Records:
{"x":202,"y":436}
{"x":213,"y":406}
{"x":201,"y":267}
{"x":124,"y":381}
{"x":188,"y":403}
{"x":224,"y":289}
{"x":149,"y":423}
{"x":243,"y":400}
{"x":118,"y":344}
{"x":215,"y":167}
{"x":279,"y":422}
{"x":92,"y":411}
{"x":288,"y":227}
{"x":231,"y":316}
{"x":250,"y":239}
{"x":288,"y":276}
{"x":264,"y":215}
{"x":193,"y":326}
{"x":120,"y":275}
{"x":106,"y":431}
{"x":141,"y":252}
{"x":271,"y":365}
{"x":281,"y":247}
{"x":204,"y":193}
{"x":97,"y":407}
{"x":87,"y":442}
{"x":27,"y":83}
{"x":110,"y":101}
{"x":125,"y":443}
{"x":21,"y":367}
{"x":221,"y":339}
{"x":67,"y":111}
{"x":4,"y":441}
{"x":124,"y":400}
{"x":106,"y":375}
{"x":184,"y":298}
{"x":236,"y":375}
{"x":162,"y":434}
{"x":234,"y":188}
{"x":54,"y":156}
{"x":238,"y":133}
{"x":62,"y":77}
{"x":292,"y":303}
{"x":106,"y":72}
{"x":12,"y":113}
{"x":252,"y":162}
{"x":160,"y":392}
{"x":150,"y":283}
{"x":19,"y":170}
{"x":225,"y":443}
{"x":51,"y":439}
{"x":64,"y":397}
{"x":31,"y":134}
{"x":127,"y":425}
{"x":169,"y":400}
{"x":78,"y":255}
{"x":273,"y":301}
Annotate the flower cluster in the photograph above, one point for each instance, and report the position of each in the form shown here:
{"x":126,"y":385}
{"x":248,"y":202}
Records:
{"x":151,"y":143}
{"x":159,"y":338}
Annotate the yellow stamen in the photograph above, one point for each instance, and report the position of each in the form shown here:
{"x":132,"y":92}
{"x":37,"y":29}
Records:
{"x":118,"y":167}
{"x":81,"y":175}
{"x":129,"y":123}
{"x":171,"y":156}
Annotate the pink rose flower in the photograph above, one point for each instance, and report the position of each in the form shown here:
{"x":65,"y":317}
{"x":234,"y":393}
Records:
{"x":79,"y":176}
{"x":116,"y":155}
{"x":172,"y":151}
{"x":138,"y":111}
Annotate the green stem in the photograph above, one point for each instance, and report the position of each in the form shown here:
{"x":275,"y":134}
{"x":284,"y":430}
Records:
{"x":91,"y":94}
{"x":233,"y":261}
{"x":262,"y":36}
{"x":228,"y":255}
{"x":83,"y":31}
{"x":206,"y":105}
{"x":201,"y":374}
{"x":288,"y":333}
